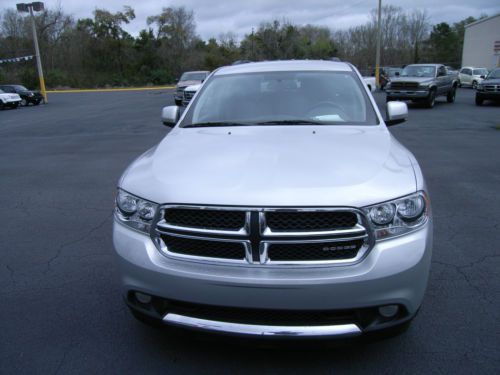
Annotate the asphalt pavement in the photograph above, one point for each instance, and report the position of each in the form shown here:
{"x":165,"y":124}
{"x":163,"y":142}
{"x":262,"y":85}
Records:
{"x":60,"y":306}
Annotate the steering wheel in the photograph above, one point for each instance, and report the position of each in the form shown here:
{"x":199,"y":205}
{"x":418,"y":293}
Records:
{"x":326,"y":105}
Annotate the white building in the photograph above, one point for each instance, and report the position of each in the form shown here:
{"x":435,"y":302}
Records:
{"x":482,"y":43}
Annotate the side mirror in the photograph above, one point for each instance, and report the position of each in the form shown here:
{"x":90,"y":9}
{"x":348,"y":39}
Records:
{"x":441,"y":73}
{"x":482,"y":76}
{"x":170,"y":115}
{"x":397,"y":112}
{"x":396,"y":74}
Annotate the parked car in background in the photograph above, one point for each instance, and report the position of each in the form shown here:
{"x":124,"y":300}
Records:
{"x":188,"y":79}
{"x":188,"y":94}
{"x":470,"y":76}
{"x":9,"y":100}
{"x":489,"y":88}
{"x":27,"y":96}
{"x":370,"y":83}
{"x":451,"y":70}
{"x":422,"y":83}
{"x":290,"y":209}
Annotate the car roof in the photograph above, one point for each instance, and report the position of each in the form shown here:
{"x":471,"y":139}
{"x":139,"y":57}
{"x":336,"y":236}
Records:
{"x":425,"y":65}
{"x":285,"y":65}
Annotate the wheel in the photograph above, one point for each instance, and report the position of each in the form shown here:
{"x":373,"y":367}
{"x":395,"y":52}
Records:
{"x":178,"y":102}
{"x":24,"y":103}
{"x":431,"y":100}
{"x":15,"y":105}
{"x":474,"y":85}
{"x":459,"y":84}
{"x":450,"y":97}
{"x":36,"y":102}
{"x":479,"y":100}
{"x":2,"y":106}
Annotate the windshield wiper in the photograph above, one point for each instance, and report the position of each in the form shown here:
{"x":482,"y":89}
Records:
{"x":291,"y":122}
{"x":216,"y":123}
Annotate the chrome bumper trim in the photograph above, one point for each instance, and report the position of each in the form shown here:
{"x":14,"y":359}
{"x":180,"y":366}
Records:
{"x":343,"y":330}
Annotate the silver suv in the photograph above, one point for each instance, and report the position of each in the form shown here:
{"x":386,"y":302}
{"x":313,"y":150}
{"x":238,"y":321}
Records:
{"x":279,"y":204}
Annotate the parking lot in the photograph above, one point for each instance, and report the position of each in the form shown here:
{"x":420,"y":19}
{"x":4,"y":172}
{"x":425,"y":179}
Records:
{"x":61,"y":310}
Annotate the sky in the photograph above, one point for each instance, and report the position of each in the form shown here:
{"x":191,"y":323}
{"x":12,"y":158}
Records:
{"x":214,"y":17}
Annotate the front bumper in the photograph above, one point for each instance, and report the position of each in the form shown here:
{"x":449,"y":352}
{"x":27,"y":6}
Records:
{"x":395,"y":272}
{"x":488,"y":95}
{"x":407,"y":95}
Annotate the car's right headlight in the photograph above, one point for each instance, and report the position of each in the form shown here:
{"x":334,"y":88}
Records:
{"x":399,"y":216}
{"x":135,"y":212}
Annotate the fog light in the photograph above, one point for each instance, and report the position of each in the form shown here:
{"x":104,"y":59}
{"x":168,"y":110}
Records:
{"x":142,"y":298}
{"x":388,"y":311}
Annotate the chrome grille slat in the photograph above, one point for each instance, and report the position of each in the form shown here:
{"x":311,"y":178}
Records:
{"x":259,"y":239}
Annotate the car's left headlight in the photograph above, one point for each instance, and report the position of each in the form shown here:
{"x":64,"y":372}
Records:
{"x":399,"y":216}
{"x":135,"y":212}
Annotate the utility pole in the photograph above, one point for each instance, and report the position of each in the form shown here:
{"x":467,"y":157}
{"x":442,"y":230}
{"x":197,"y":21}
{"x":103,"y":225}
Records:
{"x":379,"y":36}
{"x":30,"y":7}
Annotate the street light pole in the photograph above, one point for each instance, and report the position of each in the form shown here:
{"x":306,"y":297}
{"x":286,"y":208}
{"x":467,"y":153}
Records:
{"x":29,"y":7}
{"x":377,"y":56}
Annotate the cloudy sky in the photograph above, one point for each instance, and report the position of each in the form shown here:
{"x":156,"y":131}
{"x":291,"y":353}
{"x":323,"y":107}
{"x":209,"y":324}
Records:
{"x":214,"y":17}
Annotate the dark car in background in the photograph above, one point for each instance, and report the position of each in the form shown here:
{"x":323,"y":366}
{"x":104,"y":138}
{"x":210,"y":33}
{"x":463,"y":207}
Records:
{"x":188,"y":79}
{"x":27,"y":96}
{"x":489,"y":88}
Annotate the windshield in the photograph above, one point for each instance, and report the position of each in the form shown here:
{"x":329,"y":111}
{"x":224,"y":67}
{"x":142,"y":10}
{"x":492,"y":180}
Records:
{"x":282,"y":98}
{"x":480,"y":72}
{"x":20,"y":88}
{"x":419,"y":71}
{"x":193,"y":76}
{"x":494,"y":74}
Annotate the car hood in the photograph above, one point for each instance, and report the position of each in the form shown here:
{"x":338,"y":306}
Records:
{"x":187,"y":83}
{"x":273,"y":166}
{"x":412,"y":79}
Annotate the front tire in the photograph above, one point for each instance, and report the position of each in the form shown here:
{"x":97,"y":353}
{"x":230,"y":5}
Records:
{"x":24,"y":102}
{"x":474,"y":85}
{"x":37,"y":102}
{"x":431,"y":100}
{"x":450,"y":97}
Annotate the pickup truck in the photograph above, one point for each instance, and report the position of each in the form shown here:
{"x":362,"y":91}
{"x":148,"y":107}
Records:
{"x":423,"y":83}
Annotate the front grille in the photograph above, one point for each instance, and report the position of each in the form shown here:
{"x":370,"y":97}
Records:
{"x":310,"y":220}
{"x":404,"y":85}
{"x":188,"y":95}
{"x":492,"y":88}
{"x":314,"y":251}
{"x":261,"y":236}
{"x":205,"y":219}
{"x":204,"y":248}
